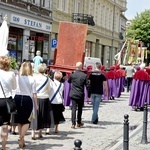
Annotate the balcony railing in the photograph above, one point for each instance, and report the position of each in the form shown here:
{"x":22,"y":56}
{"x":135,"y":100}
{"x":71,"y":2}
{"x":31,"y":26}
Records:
{"x":83,"y":18}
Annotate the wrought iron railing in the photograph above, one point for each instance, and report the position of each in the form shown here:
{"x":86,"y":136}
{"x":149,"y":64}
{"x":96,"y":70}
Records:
{"x":83,"y":18}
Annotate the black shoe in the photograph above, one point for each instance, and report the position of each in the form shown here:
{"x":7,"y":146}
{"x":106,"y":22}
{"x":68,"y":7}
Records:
{"x":47,"y":133}
{"x":141,"y":109}
{"x":96,"y":121}
{"x":13,"y":132}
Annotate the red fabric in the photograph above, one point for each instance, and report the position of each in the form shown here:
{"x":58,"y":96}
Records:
{"x":123,"y":72}
{"x":117,"y":67}
{"x":111,"y":74}
{"x":138,"y":68}
{"x":141,"y":75}
{"x":112,"y":67}
{"x":89,"y":67}
{"x":89,"y":70}
{"x":102,"y":67}
{"x":119,"y":73}
{"x":148,"y":70}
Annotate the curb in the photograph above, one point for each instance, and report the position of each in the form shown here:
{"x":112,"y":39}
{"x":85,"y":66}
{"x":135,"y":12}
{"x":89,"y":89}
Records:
{"x":119,"y":145}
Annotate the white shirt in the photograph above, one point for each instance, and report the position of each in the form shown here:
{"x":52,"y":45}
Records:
{"x":26,"y":85}
{"x":8,"y":81}
{"x":58,"y":98}
{"x":129,"y":71}
{"x":45,"y":91}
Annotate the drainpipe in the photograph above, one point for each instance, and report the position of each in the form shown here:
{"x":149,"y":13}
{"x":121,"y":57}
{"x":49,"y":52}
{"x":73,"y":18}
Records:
{"x":50,"y":35}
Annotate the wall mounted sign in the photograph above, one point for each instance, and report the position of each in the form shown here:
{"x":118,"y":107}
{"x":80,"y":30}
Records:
{"x":29,"y":22}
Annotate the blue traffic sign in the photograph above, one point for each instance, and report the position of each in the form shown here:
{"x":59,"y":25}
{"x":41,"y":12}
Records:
{"x":53,"y":43}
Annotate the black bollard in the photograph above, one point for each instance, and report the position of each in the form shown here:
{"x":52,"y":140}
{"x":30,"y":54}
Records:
{"x":126,"y":133}
{"x":77,"y":144}
{"x":144,"y":134}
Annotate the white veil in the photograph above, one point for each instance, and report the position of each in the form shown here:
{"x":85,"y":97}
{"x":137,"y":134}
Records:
{"x":4,"y":32}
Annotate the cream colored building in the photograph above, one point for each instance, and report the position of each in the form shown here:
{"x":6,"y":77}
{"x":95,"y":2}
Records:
{"x":105,"y":37}
{"x":33,"y":24}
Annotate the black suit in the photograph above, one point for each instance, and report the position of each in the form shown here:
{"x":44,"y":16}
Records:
{"x":79,"y":80}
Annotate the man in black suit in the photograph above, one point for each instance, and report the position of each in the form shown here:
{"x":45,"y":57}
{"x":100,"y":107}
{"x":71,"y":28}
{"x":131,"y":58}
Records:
{"x":79,"y":80}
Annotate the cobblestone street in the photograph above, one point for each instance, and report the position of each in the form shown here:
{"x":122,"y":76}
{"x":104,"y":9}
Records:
{"x":102,"y":136}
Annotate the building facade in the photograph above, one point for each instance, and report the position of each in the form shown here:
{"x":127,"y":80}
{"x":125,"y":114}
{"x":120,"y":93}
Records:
{"x":30,"y":26}
{"x":33,"y":25}
{"x":105,"y":36}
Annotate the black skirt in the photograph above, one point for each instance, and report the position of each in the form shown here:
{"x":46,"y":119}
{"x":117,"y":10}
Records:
{"x":44,"y":118}
{"x":24,"y":108}
{"x":57,"y":112}
{"x":3,"y":111}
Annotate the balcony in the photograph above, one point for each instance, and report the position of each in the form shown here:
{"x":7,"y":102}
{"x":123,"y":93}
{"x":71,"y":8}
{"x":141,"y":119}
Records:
{"x":83,"y":18}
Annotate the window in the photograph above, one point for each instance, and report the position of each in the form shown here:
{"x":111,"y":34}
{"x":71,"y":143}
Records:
{"x":47,"y":4}
{"x":36,"y":2}
{"x":59,"y":4}
{"x":89,"y":4}
{"x":103,"y":16}
{"x":15,"y":43}
{"x":93,"y":8}
{"x":111,"y":20}
{"x":65,"y":5}
{"x":99,"y":15}
{"x":77,"y":6}
{"x":88,"y":49}
{"x":117,"y":22}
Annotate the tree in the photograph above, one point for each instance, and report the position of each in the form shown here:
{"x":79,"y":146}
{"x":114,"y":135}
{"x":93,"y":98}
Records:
{"x":140,"y":27}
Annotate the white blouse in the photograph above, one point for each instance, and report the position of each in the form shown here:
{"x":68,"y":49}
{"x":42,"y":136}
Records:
{"x":58,"y":98}
{"x":45,"y":91}
{"x":26,"y":85}
{"x":8,"y":82}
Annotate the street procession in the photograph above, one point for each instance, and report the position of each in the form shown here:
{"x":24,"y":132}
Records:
{"x":48,"y":87}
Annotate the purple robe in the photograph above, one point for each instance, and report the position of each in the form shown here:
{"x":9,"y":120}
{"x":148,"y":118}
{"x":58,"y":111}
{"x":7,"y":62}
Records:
{"x":138,"y":94}
{"x":67,"y":87}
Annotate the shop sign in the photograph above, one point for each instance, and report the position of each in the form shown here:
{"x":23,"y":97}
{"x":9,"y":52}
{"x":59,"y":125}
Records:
{"x":29,"y":22}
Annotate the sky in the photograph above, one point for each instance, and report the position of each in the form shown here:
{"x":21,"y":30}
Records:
{"x":136,"y":6}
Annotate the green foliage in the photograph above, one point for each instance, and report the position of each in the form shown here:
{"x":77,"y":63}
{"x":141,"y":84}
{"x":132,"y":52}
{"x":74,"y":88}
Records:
{"x":13,"y":63}
{"x":140,"y":27}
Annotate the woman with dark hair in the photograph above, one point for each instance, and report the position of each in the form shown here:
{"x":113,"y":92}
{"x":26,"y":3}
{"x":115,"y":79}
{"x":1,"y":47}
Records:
{"x":8,"y":83}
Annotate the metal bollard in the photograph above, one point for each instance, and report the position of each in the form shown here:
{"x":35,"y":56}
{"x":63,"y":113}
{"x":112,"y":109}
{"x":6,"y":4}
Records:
{"x":126,"y":133}
{"x":77,"y":144}
{"x":144,"y":134}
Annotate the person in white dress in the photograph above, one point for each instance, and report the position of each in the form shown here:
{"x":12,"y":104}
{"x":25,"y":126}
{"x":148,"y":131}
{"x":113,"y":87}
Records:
{"x":8,"y":83}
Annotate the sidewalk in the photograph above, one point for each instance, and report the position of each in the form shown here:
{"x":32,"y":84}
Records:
{"x":135,"y":138}
{"x":108,"y":133}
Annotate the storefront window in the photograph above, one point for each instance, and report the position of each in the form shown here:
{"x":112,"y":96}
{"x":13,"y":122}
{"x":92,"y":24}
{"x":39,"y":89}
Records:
{"x":38,"y":41}
{"x":15,"y":44}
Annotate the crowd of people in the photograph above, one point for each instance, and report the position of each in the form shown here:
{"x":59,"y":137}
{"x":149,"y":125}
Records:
{"x":35,"y":95}
{"x":40,"y":100}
